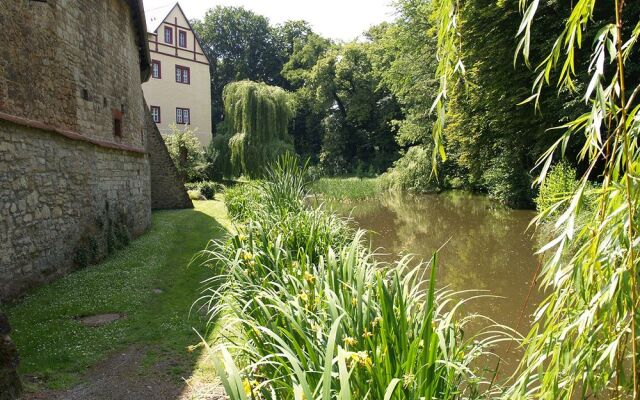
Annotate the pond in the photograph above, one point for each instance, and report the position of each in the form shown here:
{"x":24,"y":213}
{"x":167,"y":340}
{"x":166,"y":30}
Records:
{"x":484,"y":246}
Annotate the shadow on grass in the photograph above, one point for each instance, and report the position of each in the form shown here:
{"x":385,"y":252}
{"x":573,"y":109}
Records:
{"x":148,"y":353}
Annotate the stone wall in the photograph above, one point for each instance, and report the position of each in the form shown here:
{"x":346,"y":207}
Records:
{"x":64,"y":204}
{"x":167,"y":186}
{"x":71,"y":64}
{"x":10,"y":386}
{"x":71,"y":189}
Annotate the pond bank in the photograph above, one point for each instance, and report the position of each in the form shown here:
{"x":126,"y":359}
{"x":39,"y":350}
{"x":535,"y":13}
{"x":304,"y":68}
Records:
{"x":483,"y":247}
{"x":146,"y":352}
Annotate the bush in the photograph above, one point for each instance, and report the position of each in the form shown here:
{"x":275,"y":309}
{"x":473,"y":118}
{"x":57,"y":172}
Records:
{"x":558,"y":188}
{"x":186,"y":152}
{"x":207,"y":190}
{"x":559,"y":184}
{"x":212,"y":170}
{"x":412,"y":172}
{"x":195,"y":194}
{"x":242,"y":200}
{"x":507,"y":182}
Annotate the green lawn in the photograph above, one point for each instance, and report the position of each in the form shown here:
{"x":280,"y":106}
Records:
{"x":56,"y":348}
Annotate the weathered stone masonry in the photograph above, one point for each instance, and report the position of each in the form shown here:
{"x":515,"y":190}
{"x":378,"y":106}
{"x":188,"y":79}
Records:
{"x":71,"y":186}
{"x":167,"y":188}
{"x":61,"y":199}
{"x":75,"y":179}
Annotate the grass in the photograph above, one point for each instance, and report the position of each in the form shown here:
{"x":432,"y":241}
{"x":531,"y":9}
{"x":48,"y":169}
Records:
{"x":56,"y":348}
{"x":346,"y":188}
{"x":311,"y":314}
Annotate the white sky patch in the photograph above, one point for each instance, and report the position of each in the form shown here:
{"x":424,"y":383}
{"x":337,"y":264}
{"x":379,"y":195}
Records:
{"x":336,"y":19}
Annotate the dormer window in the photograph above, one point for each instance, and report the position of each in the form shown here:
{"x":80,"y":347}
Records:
{"x":168,"y":35}
{"x":182,"y":39}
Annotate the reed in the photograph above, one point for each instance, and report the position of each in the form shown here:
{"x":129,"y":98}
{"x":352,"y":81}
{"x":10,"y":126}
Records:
{"x":310,"y":313}
{"x":347,"y":188}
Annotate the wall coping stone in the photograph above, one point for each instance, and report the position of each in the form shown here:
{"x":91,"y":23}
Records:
{"x":69,"y":134}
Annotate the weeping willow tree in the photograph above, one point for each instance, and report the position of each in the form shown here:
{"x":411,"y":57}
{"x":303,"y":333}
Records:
{"x":256,"y":122}
{"x":584,"y":339}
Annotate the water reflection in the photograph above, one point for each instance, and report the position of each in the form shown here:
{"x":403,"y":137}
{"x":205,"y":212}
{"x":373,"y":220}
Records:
{"x":486,"y":246}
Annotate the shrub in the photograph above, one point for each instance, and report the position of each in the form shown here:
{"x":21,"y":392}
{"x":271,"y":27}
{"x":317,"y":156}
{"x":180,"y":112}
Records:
{"x":186,"y":152}
{"x":242,"y":200}
{"x":559,"y":185}
{"x":212,"y":171}
{"x":412,"y":172}
{"x":507,"y":182}
{"x":207,"y":190}
{"x":194,"y":194}
{"x":556,"y":193}
{"x":314,"y":315}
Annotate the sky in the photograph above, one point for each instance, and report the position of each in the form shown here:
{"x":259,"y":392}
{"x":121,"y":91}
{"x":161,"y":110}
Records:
{"x":336,"y":19}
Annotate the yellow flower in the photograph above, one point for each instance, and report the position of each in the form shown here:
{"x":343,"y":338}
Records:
{"x":250,"y":387}
{"x":252,"y":263}
{"x":354,"y":301}
{"x":364,"y":360}
{"x":304,"y":297}
{"x":376,"y":321}
{"x":349,"y":341}
{"x":367,"y":334}
{"x":247,"y":256}
{"x":309,"y":278}
{"x":408,"y":380}
{"x":242,"y":237}
{"x":191,"y":349}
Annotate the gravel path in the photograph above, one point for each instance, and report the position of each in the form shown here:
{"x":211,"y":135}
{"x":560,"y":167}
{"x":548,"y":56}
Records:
{"x":122,"y":377}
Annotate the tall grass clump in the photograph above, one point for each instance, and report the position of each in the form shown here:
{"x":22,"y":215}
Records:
{"x":347,"y":188}
{"x":311,"y":314}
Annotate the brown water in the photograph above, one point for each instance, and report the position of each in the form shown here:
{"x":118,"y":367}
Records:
{"x":486,"y":247}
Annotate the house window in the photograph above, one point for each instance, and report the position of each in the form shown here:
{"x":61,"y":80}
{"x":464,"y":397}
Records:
{"x":182,"y":39}
{"x":155,"y":114}
{"x":183,"y":74}
{"x":156,"y":69}
{"x":168,"y":35}
{"x":183,"y":116}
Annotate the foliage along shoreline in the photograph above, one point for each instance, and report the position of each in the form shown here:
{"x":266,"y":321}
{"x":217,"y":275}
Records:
{"x":312,"y":315}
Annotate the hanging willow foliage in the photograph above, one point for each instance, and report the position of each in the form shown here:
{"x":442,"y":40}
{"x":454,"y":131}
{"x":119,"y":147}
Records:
{"x":256,"y":122}
{"x":584,"y":342}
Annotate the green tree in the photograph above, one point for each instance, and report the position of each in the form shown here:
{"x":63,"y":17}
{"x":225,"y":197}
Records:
{"x":241,"y":45}
{"x":306,"y":127}
{"x":584,"y":339}
{"x":356,"y":111}
{"x":403,"y":55}
{"x":256,"y":127}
